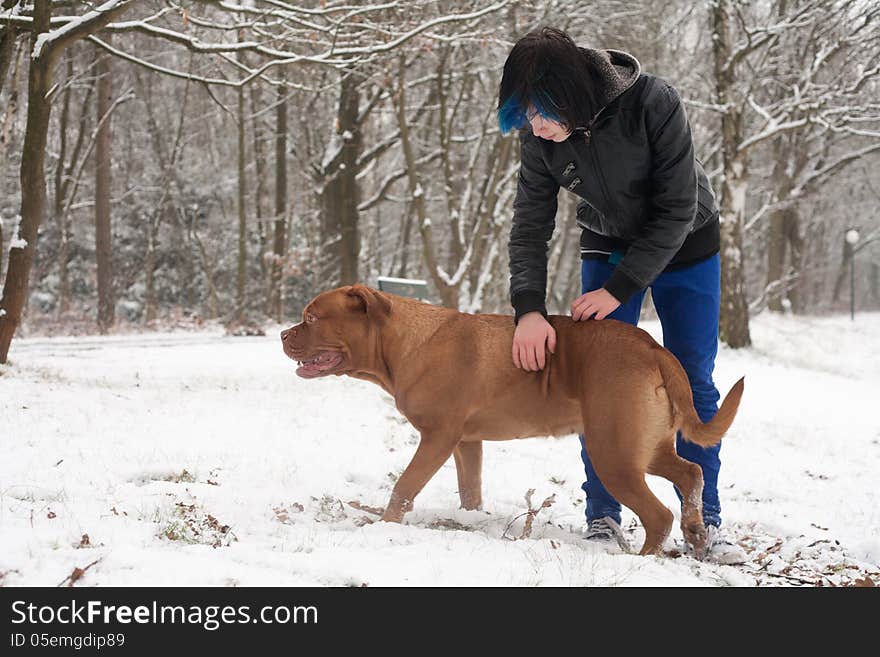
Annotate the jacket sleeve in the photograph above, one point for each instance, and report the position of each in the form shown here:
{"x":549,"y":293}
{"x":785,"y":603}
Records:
{"x":673,"y":203}
{"x":534,"y":218}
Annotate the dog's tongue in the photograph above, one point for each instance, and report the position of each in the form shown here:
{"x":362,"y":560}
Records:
{"x":323,"y":361}
{"x":308,"y":368}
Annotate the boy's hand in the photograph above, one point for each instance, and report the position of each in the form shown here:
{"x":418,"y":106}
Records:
{"x":597,"y":304}
{"x":532,"y":333}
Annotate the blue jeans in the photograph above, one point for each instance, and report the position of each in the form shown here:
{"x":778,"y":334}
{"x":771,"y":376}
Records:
{"x":688,"y":302}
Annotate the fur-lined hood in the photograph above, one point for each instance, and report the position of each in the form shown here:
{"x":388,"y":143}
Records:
{"x":618,"y":71}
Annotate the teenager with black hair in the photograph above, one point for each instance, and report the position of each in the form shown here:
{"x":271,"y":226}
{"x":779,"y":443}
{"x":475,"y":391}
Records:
{"x":592,"y":122}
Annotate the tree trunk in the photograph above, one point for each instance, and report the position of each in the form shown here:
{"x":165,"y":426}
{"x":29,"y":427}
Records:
{"x":349,"y":234}
{"x":8,"y":35}
{"x":340,"y":196}
{"x":60,"y":190}
{"x":33,"y":183}
{"x":776,"y":261}
{"x":448,"y":293}
{"x":797,"y":258}
{"x":66,"y":190}
{"x":66,"y":183}
{"x":9,"y":55}
{"x":241,"y":278}
{"x":734,"y":322}
{"x":875,"y":282}
{"x":776,"y":284}
{"x":260,"y":180}
{"x":207,"y":267}
{"x":403,"y":241}
{"x":103,"y":181}
{"x":483,"y":237}
{"x":150,"y":266}
{"x":456,"y":245}
{"x":276,"y":305}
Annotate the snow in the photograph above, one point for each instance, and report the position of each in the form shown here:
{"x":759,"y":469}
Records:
{"x":392,"y":279}
{"x":334,"y":147}
{"x":75,"y":23}
{"x":160,"y":447}
{"x":16,"y":241}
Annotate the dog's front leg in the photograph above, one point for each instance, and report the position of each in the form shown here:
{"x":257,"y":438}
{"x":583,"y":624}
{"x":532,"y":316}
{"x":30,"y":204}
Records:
{"x":469,"y":466}
{"x":433,"y":451}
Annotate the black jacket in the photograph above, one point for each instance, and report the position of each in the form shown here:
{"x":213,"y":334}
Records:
{"x":642,"y":191}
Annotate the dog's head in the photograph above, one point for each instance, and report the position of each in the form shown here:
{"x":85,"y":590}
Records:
{"x":338,"y":331}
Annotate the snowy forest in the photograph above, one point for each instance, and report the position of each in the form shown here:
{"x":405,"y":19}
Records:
{"x":167,"y":163}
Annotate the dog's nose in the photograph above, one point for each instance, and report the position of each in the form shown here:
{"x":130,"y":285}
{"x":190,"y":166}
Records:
{"x":285,"y":334}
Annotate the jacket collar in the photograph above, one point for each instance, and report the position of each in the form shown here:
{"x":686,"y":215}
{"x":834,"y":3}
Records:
{"x":617,"y":70}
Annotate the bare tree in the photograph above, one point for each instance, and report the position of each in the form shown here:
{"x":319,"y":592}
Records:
{"x":830,"y":123}
{"x":279,"y":242}
{"x":241,"y":269}
{"x":103,"y":184}
{"x":734,"y":324}
{"x":759,"y":104}
{"x":47,"y":47}
{"x":317,"y":32}
{"x":340,"y":190}
{"x":67,"y":178}
{"x":393,"y":163}
{"x":9,"y":57}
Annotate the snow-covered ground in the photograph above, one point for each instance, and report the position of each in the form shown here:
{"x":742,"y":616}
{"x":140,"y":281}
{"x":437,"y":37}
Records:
{"x":198,"y":459}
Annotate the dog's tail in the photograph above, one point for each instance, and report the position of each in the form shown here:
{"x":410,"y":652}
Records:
{"x":685,"y":415}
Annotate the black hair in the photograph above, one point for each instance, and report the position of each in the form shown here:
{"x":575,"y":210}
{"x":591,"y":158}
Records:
{"x":546,"y":70}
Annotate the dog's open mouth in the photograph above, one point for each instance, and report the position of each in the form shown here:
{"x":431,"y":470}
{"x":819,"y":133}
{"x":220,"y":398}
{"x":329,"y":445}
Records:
{"x":323,"y":362}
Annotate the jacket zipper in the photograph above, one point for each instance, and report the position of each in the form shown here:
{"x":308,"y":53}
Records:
{"x":588,"y":131}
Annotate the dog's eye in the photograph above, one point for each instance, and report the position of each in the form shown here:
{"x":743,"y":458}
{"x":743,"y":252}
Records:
{"x":310,"y":318}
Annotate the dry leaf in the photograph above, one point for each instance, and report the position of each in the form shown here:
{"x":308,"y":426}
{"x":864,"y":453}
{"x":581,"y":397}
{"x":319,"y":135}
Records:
{"x":549,"y":501}
{"x":75,"y":575}
{"x":363,"y":507}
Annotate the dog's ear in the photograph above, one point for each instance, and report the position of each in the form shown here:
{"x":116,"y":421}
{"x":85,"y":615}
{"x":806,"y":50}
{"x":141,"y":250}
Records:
{"x":369,"y":301}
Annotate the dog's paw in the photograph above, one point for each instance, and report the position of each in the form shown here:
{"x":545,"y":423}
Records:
{"x":697,"y":537}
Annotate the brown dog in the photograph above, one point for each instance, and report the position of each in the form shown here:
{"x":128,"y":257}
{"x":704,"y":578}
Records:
{"x":452,"y":376}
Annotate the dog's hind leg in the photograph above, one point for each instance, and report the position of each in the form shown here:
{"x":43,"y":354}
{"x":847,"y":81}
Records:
{"x":620,"y":454}
{"x":469,"y":466}
{"x":688,"y":478}
{"x":632,"y":491}
{"x":626,"y":482}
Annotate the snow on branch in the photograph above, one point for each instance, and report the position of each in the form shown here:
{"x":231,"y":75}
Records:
{"x":819,"y":175}
{"x":342,"y":33}
{"x":451,"y":18}
{"x":760,"y":36}
{"x":189,"y":76}
{"x":78,"y":27}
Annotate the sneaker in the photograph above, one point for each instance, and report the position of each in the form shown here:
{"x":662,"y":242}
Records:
{"x":720,"y":549}
{"x":606,"y":530}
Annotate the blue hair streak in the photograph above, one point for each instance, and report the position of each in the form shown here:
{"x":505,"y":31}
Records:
{"x":514,"y":114}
